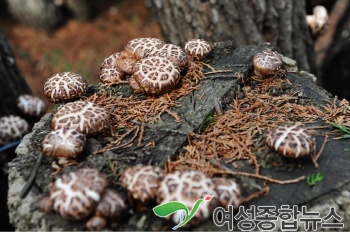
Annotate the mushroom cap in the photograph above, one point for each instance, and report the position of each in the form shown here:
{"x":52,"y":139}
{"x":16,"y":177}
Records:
{"x":111,"y":205}
{"x":187,"y":187}
{"x":64,"y":142}
{"x":267,"y":63}
{"x":31,"y":105}
{"x":110,"y":75}
{"x":156,"y":75}
{"x":228,"y":192}
{"x":84,"y":116}
{"x":126,"y":62}
{"x":134,"y":85}
{"x":197,"y":48}
{"x":11,"y":128}
{"x":175,"y":53}
{"x":96,"y":223}
{"x":65,"y":86}
{"x":142,"y":181}
{"x":75,"y":195}
{"x":318,"y":22}
{"x":291,"y":141}
{"x":141,"y":46}
{"x":111,"y":61}
{"x":110,"y":72}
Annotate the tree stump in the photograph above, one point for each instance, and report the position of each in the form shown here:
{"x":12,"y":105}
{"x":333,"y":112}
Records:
{"x":233,"y":67}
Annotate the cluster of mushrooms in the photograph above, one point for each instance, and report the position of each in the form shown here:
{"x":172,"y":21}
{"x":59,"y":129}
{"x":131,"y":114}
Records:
{"x":14,"y":127}
{"x":84,"y":194}
{"x":153,"y":68}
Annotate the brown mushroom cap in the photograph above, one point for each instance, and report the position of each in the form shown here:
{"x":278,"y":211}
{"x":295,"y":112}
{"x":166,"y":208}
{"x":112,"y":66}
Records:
{"x":65,"y":86}
{"x":111,"y":61}
{"x":126,"y":62}
{"x":187,"y":187}
{"x":134,"y":85}
{"x":110,"y":72}
{"x":291,"y":141}
{"x":228,"y":192}
{"x":111,"y":205}
{"x":156,"y":75}
{"x":141,"y":46}
{"x":267,"y":63}
{"x":175,"y":53}
{"x":75,"y":195}
{"x":31,"y":105}
{"x":64,"y":142}
{"x":11,"y":128}
{"x":111,"y":75}
{"x":197,"y":48}
{"x":142,"y":181}
{"x":86,"y":117}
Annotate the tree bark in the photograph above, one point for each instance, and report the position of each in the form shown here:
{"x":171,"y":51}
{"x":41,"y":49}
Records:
{"x":12,"y":83}
{"x":282,"y":23}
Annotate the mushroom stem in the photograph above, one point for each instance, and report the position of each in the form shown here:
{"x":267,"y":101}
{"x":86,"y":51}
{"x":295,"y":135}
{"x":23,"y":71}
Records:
{"x":31,"y":179}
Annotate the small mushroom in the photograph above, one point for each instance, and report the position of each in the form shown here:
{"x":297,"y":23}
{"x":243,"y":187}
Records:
{"x":75,"y":195}
{"x":228,"y":192}
{"x":175,"y":53}
{"x":12,"y":128}
{"x":126,"y":62}
{"x":141,"y":46}
{"x":318,"y":21}
{"x":187,"y":187}
{"x":291,"y":141}
{"x":30,"y":105}
{"x":65,"y":86}
{"x":78,"y":194}
{"x":156,"y":75}
{"x":84,"y":116}
{"x":268,"y":63}
{"x":64,"y":144}
{"x":197,"y":48}
{"x":110,"y":206}
{"x":142,"y":181}
{"x":110,"y":72}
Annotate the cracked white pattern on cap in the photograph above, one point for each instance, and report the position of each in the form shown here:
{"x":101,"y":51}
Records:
{"x":175,"y":53}
{"x":142,"y":181}
{"x":65,"y":86}
{"x":156,"y":75}
{"x":11,"y":128}
{"x":267,"y":63}
{"x":75,"y":195}
{"x":86,"y":117}
{"x":141,"y":46}
{"x":228,"y":192}
{"x":31,"y":105}
{"x":64,"y":142}
{"x":187,"y":187}
{"x":291,"y":141}
{"x":197,"y":48}
{"x":110,"y":72}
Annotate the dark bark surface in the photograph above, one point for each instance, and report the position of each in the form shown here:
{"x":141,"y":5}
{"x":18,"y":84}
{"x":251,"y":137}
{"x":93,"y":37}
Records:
{"x":12,"y":83}
{"x":282,"y":23}
{"x":335,"y":68}
{"x":170,"y":136}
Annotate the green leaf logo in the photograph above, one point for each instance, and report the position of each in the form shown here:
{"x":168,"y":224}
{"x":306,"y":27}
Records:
{"x":168,"y":208}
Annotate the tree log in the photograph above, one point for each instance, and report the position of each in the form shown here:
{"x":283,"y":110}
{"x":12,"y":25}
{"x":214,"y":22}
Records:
{"x":11,"y":80}
{"x":282,"y":23}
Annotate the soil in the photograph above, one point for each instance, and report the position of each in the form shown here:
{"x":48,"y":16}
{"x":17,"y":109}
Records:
{"x":77,"y":46}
